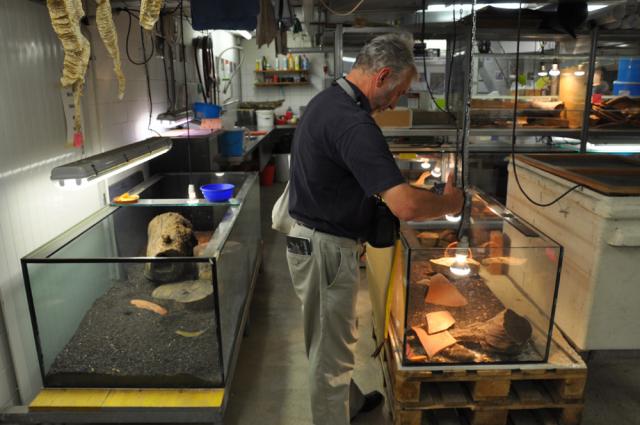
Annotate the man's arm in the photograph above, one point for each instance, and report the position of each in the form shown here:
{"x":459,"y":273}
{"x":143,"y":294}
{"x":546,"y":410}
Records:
{"x":411,"y":204}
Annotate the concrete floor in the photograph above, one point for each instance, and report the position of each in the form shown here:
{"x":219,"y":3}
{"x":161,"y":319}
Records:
{"x":270,"y":383}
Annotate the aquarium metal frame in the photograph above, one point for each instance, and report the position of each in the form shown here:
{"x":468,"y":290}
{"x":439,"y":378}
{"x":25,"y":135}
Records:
{"x":42,"y":255}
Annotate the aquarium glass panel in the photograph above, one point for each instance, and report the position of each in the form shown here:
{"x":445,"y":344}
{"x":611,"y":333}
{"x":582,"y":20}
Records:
{"x":490,"y":303}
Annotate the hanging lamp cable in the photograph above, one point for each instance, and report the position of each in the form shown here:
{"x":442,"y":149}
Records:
{"x":513,"y":129}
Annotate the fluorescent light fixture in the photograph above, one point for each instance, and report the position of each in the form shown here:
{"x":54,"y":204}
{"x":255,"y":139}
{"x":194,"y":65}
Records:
{"x":613,"y":148}
{"x":447,"y":8}
{"x":506,"y":5}
{"x":242,"y":33}
{"x":594,"y":7}
{"x":99,"y":167}
{"x":554,"y":71}
{"x":348,"y":59}
{"x":172,"y":119}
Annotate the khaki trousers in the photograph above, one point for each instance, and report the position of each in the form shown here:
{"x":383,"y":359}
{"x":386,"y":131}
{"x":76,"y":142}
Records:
{"x":327,"y":284}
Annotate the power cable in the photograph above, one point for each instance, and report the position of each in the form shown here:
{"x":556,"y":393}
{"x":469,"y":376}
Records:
{"x":146,"y":74}
{"x":513,"y":130}
{"x":196,"y":44}
{"x":186,"y":86}
{"x":146,"y":60}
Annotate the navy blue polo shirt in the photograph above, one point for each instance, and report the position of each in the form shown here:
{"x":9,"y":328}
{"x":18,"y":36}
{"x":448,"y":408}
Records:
{"x":339,"y":160}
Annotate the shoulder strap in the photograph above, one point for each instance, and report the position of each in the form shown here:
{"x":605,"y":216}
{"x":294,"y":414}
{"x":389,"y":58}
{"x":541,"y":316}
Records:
{"x":344,"y":85}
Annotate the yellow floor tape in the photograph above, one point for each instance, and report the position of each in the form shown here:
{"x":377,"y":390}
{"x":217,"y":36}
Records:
{"x":80,"y":398}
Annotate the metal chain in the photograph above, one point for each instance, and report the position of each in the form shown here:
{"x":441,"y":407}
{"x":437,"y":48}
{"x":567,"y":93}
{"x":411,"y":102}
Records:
{"x":465,"y":222}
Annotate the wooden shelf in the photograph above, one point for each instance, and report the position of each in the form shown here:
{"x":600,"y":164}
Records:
{"x":302,"y":83}
{"x":283,"y":71}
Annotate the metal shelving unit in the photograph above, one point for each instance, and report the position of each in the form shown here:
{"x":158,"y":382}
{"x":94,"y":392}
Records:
{"x":584,"y":134}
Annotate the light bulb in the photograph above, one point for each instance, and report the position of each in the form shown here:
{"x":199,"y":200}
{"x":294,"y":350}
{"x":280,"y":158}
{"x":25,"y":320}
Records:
{"x":219,"y":174}
{"x":580,"y":71}
{"x":460,"y":267}
{"x":453,"y":218}
{"x":425,"y":165}
{"x":543,"y":71}
{"x":437,"y":172}
{"x":554,"y":71}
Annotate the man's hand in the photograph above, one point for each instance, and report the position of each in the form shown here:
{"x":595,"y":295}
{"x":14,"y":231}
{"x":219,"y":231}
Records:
{"x":455,"y":197}
{"x":409,"y":203}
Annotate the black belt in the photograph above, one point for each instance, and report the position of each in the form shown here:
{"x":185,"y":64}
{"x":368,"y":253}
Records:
{"x":299,"y":223}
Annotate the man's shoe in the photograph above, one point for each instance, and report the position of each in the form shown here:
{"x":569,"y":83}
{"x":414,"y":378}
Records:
{"x":371,"y":401}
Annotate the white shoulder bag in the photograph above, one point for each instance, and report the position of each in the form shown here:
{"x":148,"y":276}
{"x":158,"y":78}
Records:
{"x":280,"y":218}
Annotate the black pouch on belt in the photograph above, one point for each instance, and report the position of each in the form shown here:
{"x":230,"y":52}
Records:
{"x":385,"y":226}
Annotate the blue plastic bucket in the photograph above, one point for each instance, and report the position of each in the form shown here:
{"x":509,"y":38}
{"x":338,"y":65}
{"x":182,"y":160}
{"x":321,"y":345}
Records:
{"x":217,"y":192}
{"x":623,"y":87}
{"x":230,"y":143}
{"x":629,"y":70}
{"x":206,"y":110}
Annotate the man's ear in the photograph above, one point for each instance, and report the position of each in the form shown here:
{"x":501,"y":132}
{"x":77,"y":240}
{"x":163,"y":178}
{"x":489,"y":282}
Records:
{"x":383,"y":74}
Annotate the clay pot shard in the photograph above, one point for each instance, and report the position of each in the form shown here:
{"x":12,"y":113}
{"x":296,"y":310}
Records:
{"x":169,"y":235}
{"x":439,"y":321}
{"x":444,"y":293}
{"x":435,"y":343}
{"x":148,"y":305}
{"x":509,"y":261}
{"x":423,"y":177}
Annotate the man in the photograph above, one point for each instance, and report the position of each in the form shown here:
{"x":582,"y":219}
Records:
{"x":339,"y":161}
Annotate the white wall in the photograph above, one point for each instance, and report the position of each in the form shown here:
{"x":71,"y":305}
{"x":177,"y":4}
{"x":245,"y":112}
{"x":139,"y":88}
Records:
{"x":32,"y":142}
{"x":295,"y":96}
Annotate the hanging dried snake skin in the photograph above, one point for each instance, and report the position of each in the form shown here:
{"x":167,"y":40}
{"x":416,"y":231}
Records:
{"x":107,"y":31}
{"x":65,"y":18}
{"x":149,"y":13}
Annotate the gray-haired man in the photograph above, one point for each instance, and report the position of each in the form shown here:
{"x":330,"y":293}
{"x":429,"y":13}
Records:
{"x":340,"y":159}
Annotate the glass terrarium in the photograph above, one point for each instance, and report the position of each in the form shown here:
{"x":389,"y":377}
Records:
{"x":493,"y":304}
{"x":615,"y":99}
{"x":547,"y":67}
{"x":425,"y":170}
{"x":151,"y":296}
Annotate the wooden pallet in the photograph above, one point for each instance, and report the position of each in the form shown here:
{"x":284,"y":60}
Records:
{"x":532,"y":394}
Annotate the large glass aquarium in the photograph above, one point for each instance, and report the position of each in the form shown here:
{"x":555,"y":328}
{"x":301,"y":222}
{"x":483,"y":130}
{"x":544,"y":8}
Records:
{"x":496,"y":306}
{"x":147,"y":295}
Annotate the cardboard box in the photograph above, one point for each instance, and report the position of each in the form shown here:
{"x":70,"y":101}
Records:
{"x":394,"y":118}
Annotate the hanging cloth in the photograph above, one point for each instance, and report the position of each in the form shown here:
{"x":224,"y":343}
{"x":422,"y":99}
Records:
{"x":267,"y":25}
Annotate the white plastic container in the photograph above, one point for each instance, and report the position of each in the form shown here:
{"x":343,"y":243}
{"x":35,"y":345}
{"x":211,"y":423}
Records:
{"x":264,"y":119}
{"x":597,"y":305}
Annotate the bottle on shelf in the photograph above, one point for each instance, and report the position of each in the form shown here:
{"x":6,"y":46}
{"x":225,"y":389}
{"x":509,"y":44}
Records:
{"x":258,"y":65}
{"x":290,"y":63}
{"x":296,"y":62}
{"x":265,"y":64}
{"x":305,"y":63}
